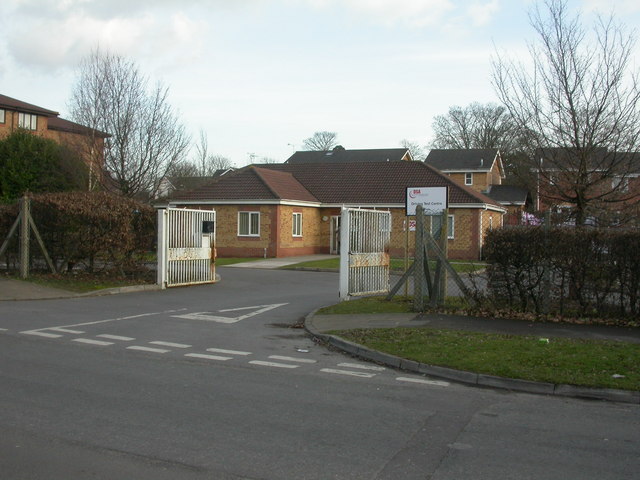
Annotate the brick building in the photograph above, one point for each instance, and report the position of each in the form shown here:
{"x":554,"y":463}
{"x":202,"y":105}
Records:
{"x":86,"y":142}
{"x":279,"y":210}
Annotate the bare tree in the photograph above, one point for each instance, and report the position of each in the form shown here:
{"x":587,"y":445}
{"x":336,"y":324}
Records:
{"x":112,"y":96}
{"x":206,"y":163}
{"x":321,"y":141}
{"x":579,"y":100}
{"x":416,"y":151}
{"x":475,"y":126}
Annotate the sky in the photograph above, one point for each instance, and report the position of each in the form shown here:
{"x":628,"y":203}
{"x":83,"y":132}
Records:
{"x":260,"y":76}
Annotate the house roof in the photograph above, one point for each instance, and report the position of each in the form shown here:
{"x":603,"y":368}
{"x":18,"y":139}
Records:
{"x":339,"y":155}
{"x":382,"y":183}
{"x":13,"y":104}
{"x":249,"y":183}
{"x":599,"y":159}
{"x":60,"y":124}
{"x":463,"y":160}
{"x":508,"y":194}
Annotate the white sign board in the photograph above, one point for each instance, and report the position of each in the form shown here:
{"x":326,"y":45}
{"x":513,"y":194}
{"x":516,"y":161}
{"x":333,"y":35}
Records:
{"x":432,"y":199}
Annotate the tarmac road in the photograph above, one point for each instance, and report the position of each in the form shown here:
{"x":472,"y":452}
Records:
{"x":217,"y":381}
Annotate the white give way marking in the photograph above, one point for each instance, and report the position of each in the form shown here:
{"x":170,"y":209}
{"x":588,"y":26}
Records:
{"x":211,"y":317}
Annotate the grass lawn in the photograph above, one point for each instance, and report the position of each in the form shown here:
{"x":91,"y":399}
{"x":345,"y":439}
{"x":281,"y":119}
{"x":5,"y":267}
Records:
{"x":588,"y":363}
{"x":397,"y":264}
{"x":221,"y":262}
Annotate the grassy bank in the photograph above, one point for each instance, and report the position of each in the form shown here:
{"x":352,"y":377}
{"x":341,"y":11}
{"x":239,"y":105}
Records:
{"x":591,"y":363}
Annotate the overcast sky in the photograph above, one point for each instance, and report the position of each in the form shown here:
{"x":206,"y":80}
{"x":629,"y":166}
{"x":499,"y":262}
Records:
{"x":260,"y":76}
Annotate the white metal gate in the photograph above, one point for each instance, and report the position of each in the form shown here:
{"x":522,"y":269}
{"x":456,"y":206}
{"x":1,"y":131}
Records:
{"x":364,"y":257}
{"x":186,"y":246}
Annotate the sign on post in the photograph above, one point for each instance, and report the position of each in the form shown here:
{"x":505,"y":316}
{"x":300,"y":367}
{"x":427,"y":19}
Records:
{"x":434,"y":200}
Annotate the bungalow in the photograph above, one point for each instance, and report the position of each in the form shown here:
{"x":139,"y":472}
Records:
{"x":279,"y":210}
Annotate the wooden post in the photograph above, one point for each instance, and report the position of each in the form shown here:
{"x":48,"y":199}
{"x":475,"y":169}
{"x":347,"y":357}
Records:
{"x":418,"y":279}
{"x":444,"y":242}
{"x":24,"y":236}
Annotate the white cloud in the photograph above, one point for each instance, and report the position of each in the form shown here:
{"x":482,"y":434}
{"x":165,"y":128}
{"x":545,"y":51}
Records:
{"x":619,"y":7}
{"x":481,"y":13}
{"x":416,"y":13}
{"x":61,"y":33}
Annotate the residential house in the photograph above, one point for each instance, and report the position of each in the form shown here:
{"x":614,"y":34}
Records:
{"x":608,"y":181}
{"x":279,"y":210}
{"x":86,"y":142}
{"x":483,"y":171}
{"x":171,"y":184}
{"x":340,"y":155}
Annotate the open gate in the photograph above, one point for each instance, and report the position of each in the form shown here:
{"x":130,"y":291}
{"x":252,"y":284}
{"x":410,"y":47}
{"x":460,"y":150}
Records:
{"x":186,"y":246}
{"x":364,"y":257}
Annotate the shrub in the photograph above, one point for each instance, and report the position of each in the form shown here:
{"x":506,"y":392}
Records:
{"x":575,"y":271}
{"x":97,"y":229}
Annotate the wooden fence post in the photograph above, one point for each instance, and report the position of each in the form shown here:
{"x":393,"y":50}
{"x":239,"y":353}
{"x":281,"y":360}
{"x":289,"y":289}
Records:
{"x":24,"y":236}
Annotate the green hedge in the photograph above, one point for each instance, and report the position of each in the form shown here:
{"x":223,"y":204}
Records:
{"x":569,"y":271}
{"x":96,"y":229}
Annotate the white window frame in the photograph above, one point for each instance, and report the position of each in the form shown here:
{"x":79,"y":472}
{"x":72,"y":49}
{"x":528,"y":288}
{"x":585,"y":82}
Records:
{"x":450,"y":227}
{"x":28,"y":121}
{"x":621,"y":183}
{"x":250,"y":232}
{"x":3,"y":115}
{"x":468,"y":178}
{"x":296,"y":229}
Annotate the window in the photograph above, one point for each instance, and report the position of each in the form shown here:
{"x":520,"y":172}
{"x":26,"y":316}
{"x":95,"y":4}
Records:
{"x":436,"y":225}
{"x":468,"y":178}
{"x":28,"y":121}
{"x":297,"y":224}
{"x":1,"y":115}
{"x":249,"y":224}
{"x":620,"y":183}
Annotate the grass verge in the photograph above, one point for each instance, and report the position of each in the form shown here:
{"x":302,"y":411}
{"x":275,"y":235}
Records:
{"x":221,"y":262}
{"x":590,"y":363}
{"x":397,"y":265}
{"x":82,"y":283}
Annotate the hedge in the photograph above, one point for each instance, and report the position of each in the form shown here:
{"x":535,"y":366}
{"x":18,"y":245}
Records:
{"x":97,"y":229}
{"x":569,"y":271}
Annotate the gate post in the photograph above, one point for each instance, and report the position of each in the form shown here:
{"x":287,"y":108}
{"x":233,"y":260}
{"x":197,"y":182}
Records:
{"x":162,"y":248}
{"x":345,"y":247}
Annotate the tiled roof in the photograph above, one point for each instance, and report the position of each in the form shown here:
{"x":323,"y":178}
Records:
{"x":599,"y":159}
{"x":508,"y":194}
{"x":13,"y":104}
{"x":57,"y":123}
{"x":458,"y":159}
{"x":381,"y":183}
{"x":339,"y":155}
{"x":250,"y":183}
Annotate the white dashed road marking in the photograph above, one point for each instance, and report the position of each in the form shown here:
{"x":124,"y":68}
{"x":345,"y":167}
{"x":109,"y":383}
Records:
{"x":115,"y":337}
{"x":41,"y":334}
{"x":66,"y":330}
{"x":423,"y":381}
{"x":228,"y":352}
{"x":292,"y":359}
{"x":362,"y":367}
{"x":92,"y":342}
{"x":273,"y":364}
{"x":169,"y":344}
{"x":207,"y":357}
{"x":4,"y":329}
{"x":348,"y":372}
{"x":148,"y":349}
